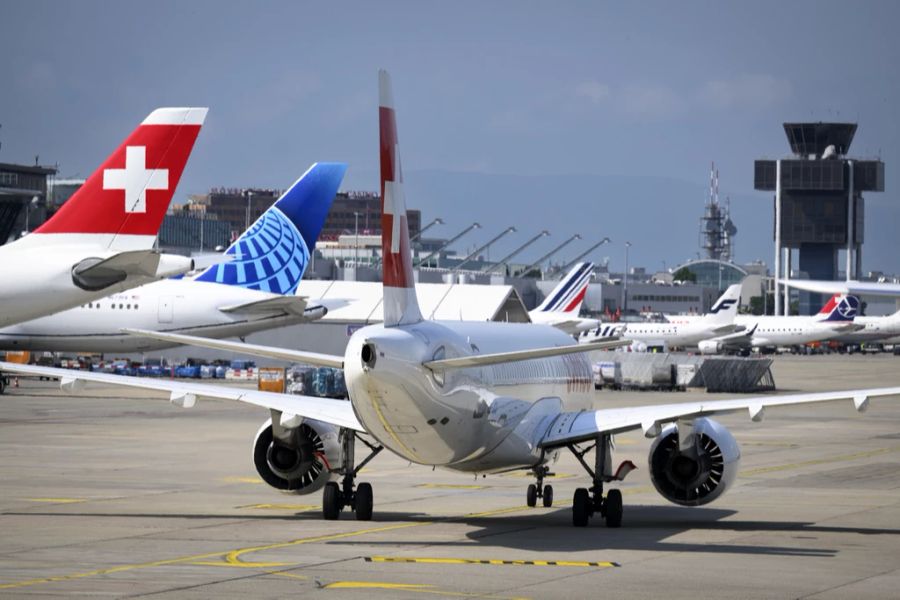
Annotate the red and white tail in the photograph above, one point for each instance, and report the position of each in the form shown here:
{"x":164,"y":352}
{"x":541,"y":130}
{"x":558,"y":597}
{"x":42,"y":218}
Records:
{"x":123,"y":203}
{"x":400,"y":304}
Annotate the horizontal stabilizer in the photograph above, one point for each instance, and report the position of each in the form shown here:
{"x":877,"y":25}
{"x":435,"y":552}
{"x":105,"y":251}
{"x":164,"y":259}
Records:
{"x":312,"y":358}
{"x":292,"y":305}
{"x":482,"y":360}
{"x":96,"y":273}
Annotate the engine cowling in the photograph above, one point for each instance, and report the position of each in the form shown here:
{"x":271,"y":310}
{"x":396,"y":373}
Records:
{"x":700,"y":474}
{"x":710,"y":347}
{"x":301,"y":464}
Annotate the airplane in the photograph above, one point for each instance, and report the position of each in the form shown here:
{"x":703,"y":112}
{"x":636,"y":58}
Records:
{"x":561,"y":306}
{"x":718,"y":321}
{"x":253,"y":292}
{"x":475,"y":397}
{"x":848,"y":287}
{"x":835,"y":318}
{"x":101,"y":240}
{"x":874,"y":329}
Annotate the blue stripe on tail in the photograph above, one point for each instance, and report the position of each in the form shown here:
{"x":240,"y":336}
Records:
{"x":272,"y":255}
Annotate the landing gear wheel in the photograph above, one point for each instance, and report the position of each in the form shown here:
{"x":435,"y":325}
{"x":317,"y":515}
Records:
{"x":548,"y":496}
{"x":612,"y":508}
{"x":531,"y":495}
{"x":581,"y":507}
{"x":364,"y":502}
{"x":332,"y":502}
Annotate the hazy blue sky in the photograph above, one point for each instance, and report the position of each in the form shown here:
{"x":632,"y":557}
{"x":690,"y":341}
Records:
{"x":512,"y":88}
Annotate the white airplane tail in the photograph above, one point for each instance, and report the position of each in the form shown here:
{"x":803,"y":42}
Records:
{"x":568,"y":296}
{"x":724,"y":310}
{"x":400,"y":304}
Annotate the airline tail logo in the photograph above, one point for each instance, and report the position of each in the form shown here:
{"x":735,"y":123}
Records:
{"x":569,"y":294}
{"x":131,"y":191}
{"x":400,"y":304}
{"x":841,"y":308}
{"x":273,"y":254}
{"x":723,"y":304}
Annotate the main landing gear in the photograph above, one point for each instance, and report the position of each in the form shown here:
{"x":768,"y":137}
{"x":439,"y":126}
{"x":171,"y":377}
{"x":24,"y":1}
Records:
{"x":588,"y":502}
{"x":538,"y":489}
{"x":335,"y":497}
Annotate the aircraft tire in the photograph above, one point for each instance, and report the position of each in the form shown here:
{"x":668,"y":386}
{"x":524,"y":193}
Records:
{"x":613,"y":508}
{"x":331,"y":501}
{"x":581,"y":507}
{"x":548,"y":496}
{"x":531,"y":495}
{"x":364,"y":502}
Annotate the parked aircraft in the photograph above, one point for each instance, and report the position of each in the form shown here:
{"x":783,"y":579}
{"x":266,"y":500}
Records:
{"x":561,"y":306}
{"x":101,"y":240}
{"x":474,"y":397}
{"x":874,"y":329}
{"x":252,"y":292}
{"x":717,"y":322}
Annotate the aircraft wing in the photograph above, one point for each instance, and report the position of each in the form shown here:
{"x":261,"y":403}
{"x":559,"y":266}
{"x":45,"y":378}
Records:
{"x":574,"y":427}
{"x":312,"y":358}
{"x":336,"y":412}
{"x":481,"y":360}
{"x":572,"y":325}
{"x":727,"y":329}
{"x":866,"y":288}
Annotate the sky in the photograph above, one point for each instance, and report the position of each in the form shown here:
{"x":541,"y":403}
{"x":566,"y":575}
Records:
{"x":514,"y":89}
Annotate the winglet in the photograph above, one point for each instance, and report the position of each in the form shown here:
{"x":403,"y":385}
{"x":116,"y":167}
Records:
{"x":400,"y":304}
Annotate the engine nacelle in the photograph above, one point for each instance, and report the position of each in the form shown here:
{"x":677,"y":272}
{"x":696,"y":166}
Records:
{"x":301,"y":464}
{"x":699,"y":474}
{"x":710,"y":347}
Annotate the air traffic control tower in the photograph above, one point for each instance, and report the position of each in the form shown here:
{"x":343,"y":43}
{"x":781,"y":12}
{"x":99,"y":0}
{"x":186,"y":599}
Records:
{"x":819,"y":208}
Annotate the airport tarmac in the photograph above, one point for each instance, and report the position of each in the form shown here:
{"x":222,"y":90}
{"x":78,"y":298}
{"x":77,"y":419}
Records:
{"x":116,"y":493}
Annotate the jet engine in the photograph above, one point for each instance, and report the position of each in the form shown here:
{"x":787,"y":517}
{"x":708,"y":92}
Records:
{"x":699,"y":473}
{"x":301,"y":462}
{"x":710,"y":347}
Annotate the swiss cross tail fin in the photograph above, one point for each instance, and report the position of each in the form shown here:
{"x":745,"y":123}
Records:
{"x":273,"y":254}
{"x":400,"y":304}
{"x":124,"y":201}
{"x":568,"y":295}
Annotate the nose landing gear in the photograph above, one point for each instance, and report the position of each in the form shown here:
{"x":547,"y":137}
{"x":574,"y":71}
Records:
{"x":336,"y":497}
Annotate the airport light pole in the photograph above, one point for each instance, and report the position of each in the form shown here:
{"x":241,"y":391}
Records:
{"x":31,"y":204}
{"x":569,"y":265}
{"x":448,"y":242}
{"x":247,"y":217}
{"x":437,"y":221}
{"x":484,"y":247}
{"x":356,"y":244}
{"x":625,"y":280}
{"x":538,"y":262}
{"x":515,"y":252}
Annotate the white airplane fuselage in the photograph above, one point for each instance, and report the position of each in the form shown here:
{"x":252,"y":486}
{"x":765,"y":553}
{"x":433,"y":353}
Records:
{"x":482,"y":419}
{"x":173,"y":305}
{"x":790,"y":330}
{"x":671,"y":334}
{"x":875,"y":329}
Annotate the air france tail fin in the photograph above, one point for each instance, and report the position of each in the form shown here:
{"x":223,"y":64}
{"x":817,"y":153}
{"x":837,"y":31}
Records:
{"x":272,"y":255}
{"x":122,"y":204}
{"x":725,"y":308}
{"x":568,"y":296}
{"x":839,"y":308}
{"x":400,"y":304}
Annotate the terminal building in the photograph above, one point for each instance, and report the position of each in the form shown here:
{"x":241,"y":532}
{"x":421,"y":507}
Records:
{"x":23,"y":198}
{"x":819,"y":207}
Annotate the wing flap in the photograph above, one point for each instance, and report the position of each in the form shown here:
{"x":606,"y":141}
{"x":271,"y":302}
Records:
{"x":481,"y":360}
{"x":336,"y":412}
{"x":301,"y":356}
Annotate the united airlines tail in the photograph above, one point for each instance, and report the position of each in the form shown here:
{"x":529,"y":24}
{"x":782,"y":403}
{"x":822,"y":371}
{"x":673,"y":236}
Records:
{"x":839,"y":308}
{"x":273,"y":254}
{"x":122,"y":204}
{"x":568,"y":296}
{"x":400,"y":304}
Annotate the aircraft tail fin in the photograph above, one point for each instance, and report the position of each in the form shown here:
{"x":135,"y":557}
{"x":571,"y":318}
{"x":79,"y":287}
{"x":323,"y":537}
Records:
{"x":725,"y":308}
{"x":273,"y":253}
{"x":124,"y":201}
{"x":401,"y":306}
{"x":568,"y":296}
{"x":839,"y":308}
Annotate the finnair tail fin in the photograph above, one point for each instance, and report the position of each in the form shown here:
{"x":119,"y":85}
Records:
{"x":400,"y":304}
{"x":122,"y":204}
{"x":568,"y":296}
{"x":725,"y":308}
{"x":839,"y":308}
{"x":273,"y":254}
